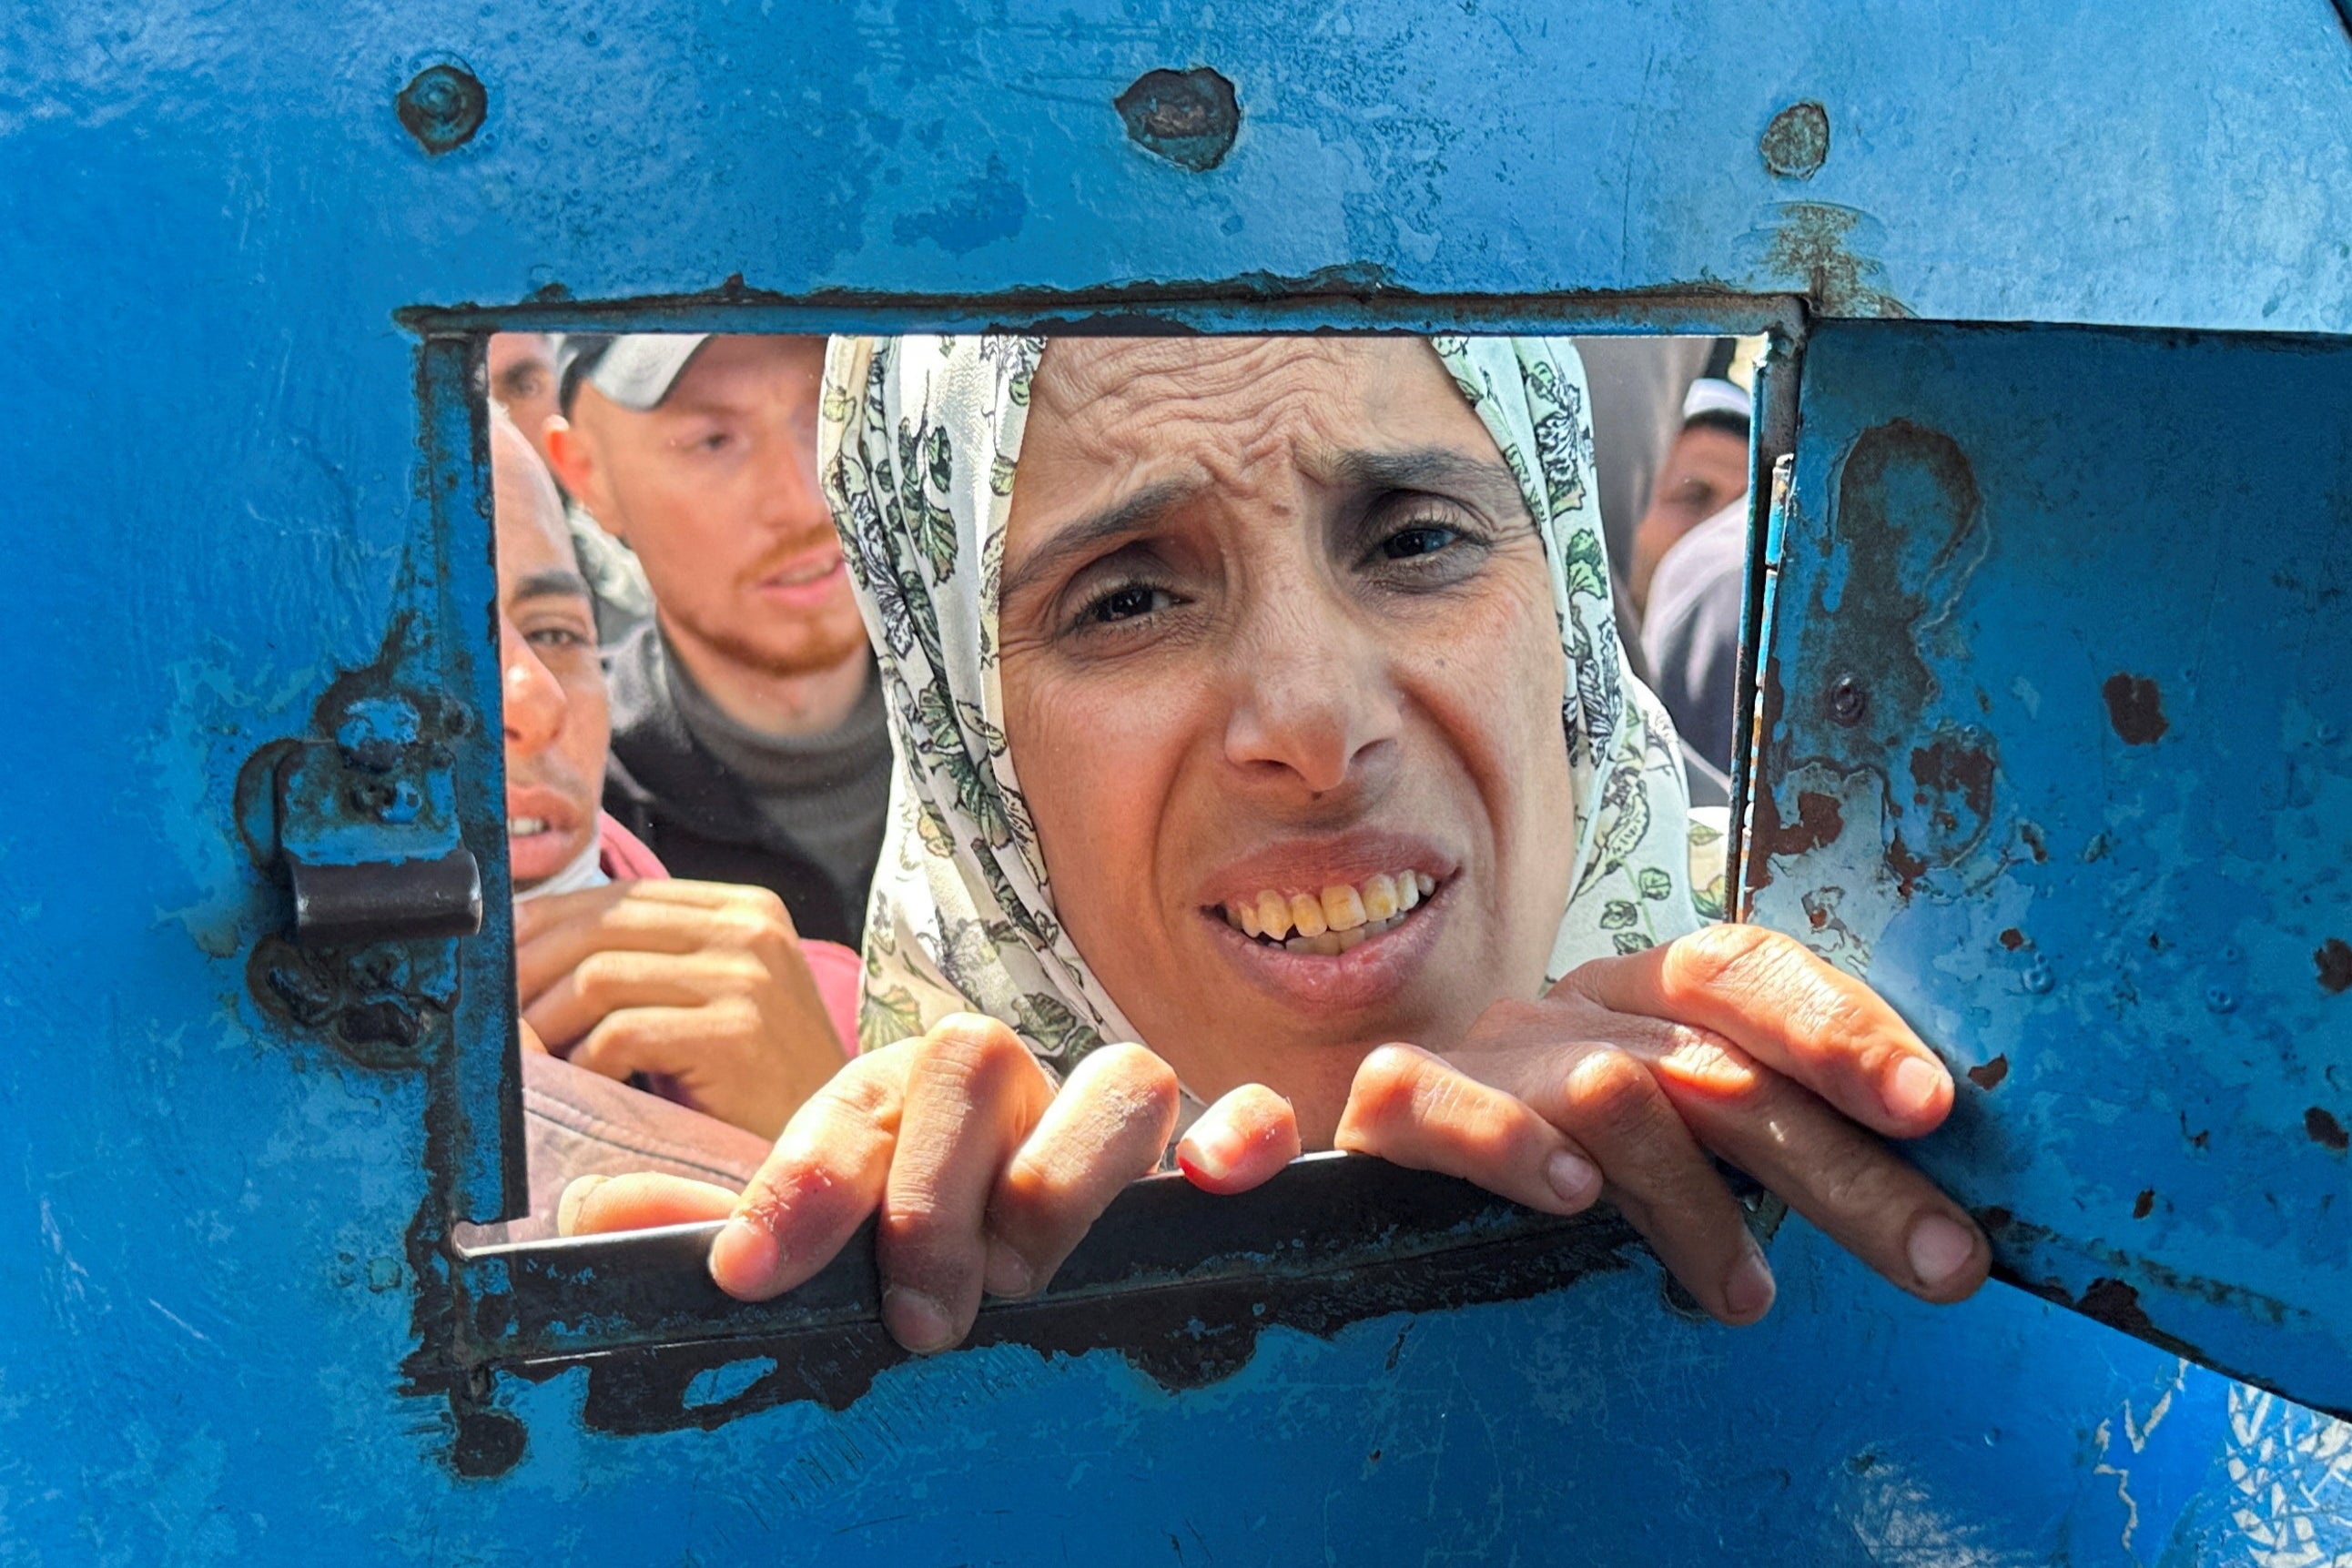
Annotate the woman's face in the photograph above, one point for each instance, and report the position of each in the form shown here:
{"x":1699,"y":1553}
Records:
{"x":1278,"y":645}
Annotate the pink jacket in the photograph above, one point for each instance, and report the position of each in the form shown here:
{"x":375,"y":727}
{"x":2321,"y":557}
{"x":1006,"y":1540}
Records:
{"x":578,"y":1123}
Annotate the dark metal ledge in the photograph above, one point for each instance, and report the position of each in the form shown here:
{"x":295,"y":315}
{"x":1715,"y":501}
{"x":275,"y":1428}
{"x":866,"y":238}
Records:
{"x":1176,"y":1280}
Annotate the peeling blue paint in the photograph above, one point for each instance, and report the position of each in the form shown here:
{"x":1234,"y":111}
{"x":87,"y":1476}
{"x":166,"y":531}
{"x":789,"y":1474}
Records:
{"x":209,"y":1222}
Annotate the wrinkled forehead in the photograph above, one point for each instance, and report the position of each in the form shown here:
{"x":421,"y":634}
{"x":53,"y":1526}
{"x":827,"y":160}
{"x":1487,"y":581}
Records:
{"x":1117,"y":411}
{"x":1103,"y":381}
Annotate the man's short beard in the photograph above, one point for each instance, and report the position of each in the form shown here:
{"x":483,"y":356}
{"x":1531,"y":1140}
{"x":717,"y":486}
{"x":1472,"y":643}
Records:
{"x":815,"y":656}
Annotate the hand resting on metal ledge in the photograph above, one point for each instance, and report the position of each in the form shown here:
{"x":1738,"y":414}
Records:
{"x":1274,"y":716}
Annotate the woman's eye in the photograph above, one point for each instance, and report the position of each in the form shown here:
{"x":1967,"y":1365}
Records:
{"x":1417,"y":540}
{"x":562,"y":637}
{"x":1124,"y":603}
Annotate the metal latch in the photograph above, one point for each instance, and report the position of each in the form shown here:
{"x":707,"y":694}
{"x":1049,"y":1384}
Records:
{"x":367,"y":831}
{"x":362,"y":827}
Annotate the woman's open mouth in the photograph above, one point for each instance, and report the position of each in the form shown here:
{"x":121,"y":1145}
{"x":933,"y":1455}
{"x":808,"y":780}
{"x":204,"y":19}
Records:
{"x":1339,"y":917}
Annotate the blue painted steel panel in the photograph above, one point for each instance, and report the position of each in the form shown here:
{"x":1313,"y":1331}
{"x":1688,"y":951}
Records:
{"x":216,"y":1235}
{"x":2058,"y":753}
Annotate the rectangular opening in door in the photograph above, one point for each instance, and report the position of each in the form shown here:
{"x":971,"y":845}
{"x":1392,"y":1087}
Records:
{"x":1257,"y":698}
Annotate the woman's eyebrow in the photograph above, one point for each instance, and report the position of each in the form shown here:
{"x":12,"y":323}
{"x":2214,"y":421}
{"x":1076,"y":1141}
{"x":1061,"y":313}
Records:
{"x":1440,"y":469}
{"x":1089,"y":533}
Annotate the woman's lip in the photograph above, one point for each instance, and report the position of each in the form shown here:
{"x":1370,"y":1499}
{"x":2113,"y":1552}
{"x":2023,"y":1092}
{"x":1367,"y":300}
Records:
{"x":1310,"y":865}
{"x":1366,"y":976}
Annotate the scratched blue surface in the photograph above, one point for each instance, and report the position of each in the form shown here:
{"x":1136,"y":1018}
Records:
{"x":208,"y":219}
{"x":2117,"y":918}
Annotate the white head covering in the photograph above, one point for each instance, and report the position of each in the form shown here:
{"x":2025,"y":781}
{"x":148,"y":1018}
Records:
{"x":917,"y":450}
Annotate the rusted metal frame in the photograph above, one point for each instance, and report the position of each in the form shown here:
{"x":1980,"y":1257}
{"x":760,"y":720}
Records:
{"x":462,"y":636}
{"x":1774,"y":428}
{"x":452,"y":591}
{"x":1324,"y":1216}
{"x":1176,"y":1280}
{"x":1318,"y":304}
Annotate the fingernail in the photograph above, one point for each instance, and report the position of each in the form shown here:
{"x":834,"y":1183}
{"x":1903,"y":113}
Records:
{"x":1940,"y":1247}
{"x":1574,"y":1177}
{"x":567,"y":1207}
{"x":745,"y":1260}
{"x":915,"y":1321}
{"x":1212,"y":1151}
{"x":1915,"y":1086}
{"x":1007,"y":1274}
{"x":1747,"y":1293}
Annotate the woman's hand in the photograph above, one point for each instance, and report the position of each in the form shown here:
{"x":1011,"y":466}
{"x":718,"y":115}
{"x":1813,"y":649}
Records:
{"x":984,"y":1176}
{"x":1734,"y":1040}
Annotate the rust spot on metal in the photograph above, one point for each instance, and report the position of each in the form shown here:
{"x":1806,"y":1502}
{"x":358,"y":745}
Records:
{"x":1907,"y":525}
{"x":2335,"y":960}
{"x":1764,"y":811}
{"x":1812,"y":243}
{"x":2325,"y":1130}
{"x":2113,"y":1300}
{"x":1955,"y":788}
{"x":1819,"y":822}
{"x":1908,"y":868}
{"x":2117,"y":1305}
{"x":1797,"y":144}
{"x":1188,"y":117}
{"x":2013,"y":938}
{"x":2136,"y":707}
{"x":2145,"y":1204}
{"x":1989,"y":1074}
{"x":488,"y":1443}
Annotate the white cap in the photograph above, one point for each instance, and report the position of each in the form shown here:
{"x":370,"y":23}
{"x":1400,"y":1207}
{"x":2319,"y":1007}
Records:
{"x":635,"y":370}
{"x":1707,"y":395}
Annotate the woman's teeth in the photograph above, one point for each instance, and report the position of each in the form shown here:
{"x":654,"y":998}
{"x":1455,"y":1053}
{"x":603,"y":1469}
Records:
{"x":1338,"y":918}
{"x":524,"y":827}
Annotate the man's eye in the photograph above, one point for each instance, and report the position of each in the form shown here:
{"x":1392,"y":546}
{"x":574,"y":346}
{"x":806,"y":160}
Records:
{"x":1417,"y":540}
{"x":562,"y":637}
{"x":1124,"y":603}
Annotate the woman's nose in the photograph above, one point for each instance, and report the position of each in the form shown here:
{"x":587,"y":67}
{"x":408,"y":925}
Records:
{"x":532,"y":699}
{"x":1315,"y":704}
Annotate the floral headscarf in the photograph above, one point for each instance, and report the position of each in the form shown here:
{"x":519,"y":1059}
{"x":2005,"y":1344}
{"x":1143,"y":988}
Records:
{"x":917,"y":449}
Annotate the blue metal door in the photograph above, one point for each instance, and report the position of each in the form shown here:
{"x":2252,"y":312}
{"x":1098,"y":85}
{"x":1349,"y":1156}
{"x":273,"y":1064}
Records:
{"x":249,"y":256}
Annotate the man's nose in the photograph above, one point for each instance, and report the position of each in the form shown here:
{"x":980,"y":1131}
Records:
{"x":1314,"y":704}
{"x":792,"y":501}
{"x":532,"y":699}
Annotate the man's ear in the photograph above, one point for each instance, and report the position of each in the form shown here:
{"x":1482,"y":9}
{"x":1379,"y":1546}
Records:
{"x":573,"y":456}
